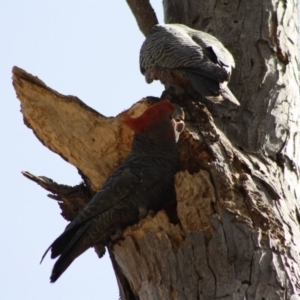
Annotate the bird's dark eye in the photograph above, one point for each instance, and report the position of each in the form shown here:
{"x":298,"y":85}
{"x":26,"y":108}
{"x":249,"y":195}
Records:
{"x":171,"y":117}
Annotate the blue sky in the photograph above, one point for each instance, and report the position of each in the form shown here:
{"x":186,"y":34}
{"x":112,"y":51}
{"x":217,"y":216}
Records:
{"x":88,"y":49}
{"x":84,"y":48}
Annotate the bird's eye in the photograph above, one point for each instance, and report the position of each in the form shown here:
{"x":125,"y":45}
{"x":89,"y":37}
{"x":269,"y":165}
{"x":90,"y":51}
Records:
{"x":171,"y":117}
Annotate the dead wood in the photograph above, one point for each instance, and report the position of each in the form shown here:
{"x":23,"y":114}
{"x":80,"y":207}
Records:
{"x":219,"y":199}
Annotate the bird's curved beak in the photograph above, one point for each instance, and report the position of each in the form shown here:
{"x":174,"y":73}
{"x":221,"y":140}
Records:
{"x":178,"y":121}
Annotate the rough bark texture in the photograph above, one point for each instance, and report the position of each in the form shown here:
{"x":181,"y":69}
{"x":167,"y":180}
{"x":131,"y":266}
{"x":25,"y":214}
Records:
{"x":144,"y":14}
{"x":237,"y":233}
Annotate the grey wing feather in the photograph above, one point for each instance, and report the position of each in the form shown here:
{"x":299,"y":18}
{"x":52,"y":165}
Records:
{"x":169,"y":48}
{"x":206,"y":40}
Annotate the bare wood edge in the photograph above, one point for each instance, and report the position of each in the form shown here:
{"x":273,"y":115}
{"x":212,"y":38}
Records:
{"x":70,"y":128}
{"x":144,"y":14}
{"x":71,"y":199}
{"x":20,"y":74}
{"x":206,"y":193}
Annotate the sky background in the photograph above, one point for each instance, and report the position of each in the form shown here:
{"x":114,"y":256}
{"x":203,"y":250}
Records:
{"x":89,"y":49}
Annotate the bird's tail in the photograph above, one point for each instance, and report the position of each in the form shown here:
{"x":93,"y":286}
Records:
{"x":228,"y":95}
{"x":68,"y":246}
{"x":205,"y":86}
{"x":212,"y":90}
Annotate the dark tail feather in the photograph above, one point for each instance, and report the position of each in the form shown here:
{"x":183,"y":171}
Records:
{"x":212,"y":90}
{"x":203,"y":85}
{"x":228,"y":95}
{"x":75,"y":247}
{"x":58,"y":246}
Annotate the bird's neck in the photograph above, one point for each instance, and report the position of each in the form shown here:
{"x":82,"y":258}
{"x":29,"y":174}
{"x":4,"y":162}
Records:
{"x":152,"y":145}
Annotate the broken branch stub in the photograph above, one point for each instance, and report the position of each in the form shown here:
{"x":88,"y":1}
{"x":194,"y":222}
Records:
{"x":91,"y":142}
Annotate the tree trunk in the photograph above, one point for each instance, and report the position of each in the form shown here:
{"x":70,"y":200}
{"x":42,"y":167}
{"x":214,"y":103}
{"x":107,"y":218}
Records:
{"x":236,"y":230}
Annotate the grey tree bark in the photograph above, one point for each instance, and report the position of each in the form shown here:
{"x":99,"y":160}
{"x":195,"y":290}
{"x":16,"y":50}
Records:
{"x":236,"y":231}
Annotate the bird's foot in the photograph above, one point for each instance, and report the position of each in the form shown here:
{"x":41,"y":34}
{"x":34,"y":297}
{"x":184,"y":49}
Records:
{"x":151,"y":213}
{"x":144,"y":212}
{"x":170,"y":93}
{"x":192,"y":94}
{"x":117,"y":235}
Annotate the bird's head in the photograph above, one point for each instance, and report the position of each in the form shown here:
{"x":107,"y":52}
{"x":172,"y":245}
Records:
{"x":161,"y":121}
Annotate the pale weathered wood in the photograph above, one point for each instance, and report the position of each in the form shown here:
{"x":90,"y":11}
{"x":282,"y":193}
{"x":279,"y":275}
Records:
{"x":217,"y":201}
{"x":69,"y":128}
